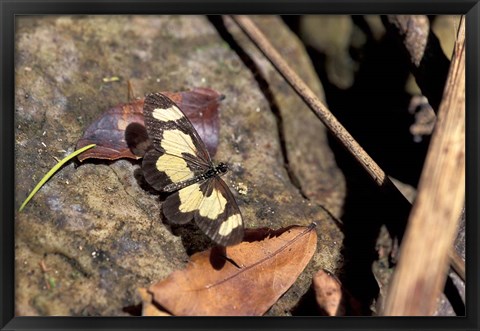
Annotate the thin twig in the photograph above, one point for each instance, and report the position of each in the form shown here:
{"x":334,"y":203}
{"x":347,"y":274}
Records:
{"x":421,"y":272}
{"x":320,"y":110}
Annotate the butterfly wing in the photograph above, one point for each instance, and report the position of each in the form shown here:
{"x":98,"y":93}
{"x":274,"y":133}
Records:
{"x":181,"y":206}
{"x":218,"y":214}
{"x":212,"y":205}
{"x":178,"y":154}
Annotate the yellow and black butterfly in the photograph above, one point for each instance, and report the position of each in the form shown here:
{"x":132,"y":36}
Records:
{"x":179,"y":163}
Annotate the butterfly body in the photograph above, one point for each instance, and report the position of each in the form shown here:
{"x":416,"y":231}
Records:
{"x":180,"y":164}
{"x":218,"y":170}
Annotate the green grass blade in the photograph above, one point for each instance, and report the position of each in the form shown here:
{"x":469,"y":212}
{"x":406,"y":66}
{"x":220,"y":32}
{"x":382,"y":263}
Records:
{"x":52,"y":172}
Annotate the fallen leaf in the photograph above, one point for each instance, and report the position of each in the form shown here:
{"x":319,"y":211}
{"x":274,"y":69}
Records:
{"x":121,"y":129}
{"x":328,"y":293}
{"x":108,"y":132}
{"x":148,"y":308}
{"x":331,"y":297}
{"x":241,"y":280}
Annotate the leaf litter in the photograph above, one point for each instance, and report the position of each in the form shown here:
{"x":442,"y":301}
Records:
{"x":241,"y":280}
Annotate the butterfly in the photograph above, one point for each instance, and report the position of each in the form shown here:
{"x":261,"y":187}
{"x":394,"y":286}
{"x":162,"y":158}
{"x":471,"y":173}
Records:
{"x":180,"y":164}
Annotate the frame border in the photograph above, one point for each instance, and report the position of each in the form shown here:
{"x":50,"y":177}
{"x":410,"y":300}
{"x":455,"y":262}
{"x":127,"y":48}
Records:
{"x":11,"y":8}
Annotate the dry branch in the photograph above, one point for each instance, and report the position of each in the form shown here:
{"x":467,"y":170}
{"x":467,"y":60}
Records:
{"x":422,"y":269}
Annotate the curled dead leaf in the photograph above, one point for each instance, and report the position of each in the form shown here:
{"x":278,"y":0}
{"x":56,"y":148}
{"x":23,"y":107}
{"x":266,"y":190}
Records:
{"x":332,"y":298}
{"x":108,"y":132}
{"x":246,"y":279}
{"x":328,"y":293}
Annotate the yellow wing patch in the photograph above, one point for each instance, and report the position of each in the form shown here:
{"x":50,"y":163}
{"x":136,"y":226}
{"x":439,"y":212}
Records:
{"x":190,"y":198}
{"x":229,"y":224}
{"x":176,"y":142}
{"x":167,"y":114}
{"x":213,"y":205}
{"x":174,"y":167}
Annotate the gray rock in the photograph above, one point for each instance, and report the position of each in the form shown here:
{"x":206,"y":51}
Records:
{"x":97,"y":233}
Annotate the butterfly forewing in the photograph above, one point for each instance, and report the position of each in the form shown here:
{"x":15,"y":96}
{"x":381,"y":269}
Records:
{"x":171,"y":131}
{"x":179,"y":154}
{"x":162,"y":169}
{"x":178,"y":162}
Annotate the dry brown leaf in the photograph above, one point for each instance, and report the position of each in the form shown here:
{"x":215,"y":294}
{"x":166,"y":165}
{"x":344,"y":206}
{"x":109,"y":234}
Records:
{"x":108,"y":132}
{"x":328,"y":293}
{"x":332,"y":298}
{"x":148,"y":308}
{"x":247,"y":282}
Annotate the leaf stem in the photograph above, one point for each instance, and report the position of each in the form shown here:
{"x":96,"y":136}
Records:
{"x":51,"y":172}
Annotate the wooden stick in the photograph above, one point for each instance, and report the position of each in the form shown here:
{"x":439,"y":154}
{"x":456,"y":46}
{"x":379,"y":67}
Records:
{"x":321,"y":111}
{"x":422,"y":268}
{"x":310,"y":98}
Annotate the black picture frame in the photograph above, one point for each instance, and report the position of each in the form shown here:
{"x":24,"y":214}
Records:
{"x":11,"y":8}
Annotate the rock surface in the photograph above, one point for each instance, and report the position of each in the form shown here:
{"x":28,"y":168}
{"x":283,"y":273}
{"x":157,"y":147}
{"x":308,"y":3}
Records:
{"x":92,"y":235}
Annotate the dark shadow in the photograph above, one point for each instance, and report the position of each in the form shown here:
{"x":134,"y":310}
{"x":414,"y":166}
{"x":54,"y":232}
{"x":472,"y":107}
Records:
{"x":307,"y":305}
{"x":193,"y":239}
{"x":137,"y":139}
{"x":135,"y":310}
{"x":217,"y":257}
{"x":140,"y":178}
{"x":375,"y":111}
{"x":453,"y":296}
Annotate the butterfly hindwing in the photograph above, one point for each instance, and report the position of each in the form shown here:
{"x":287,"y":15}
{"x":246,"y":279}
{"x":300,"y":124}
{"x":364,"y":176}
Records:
{"x":212,"y":205}
{"x":218,"y":214}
